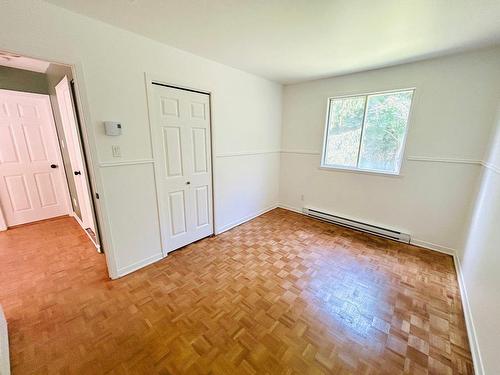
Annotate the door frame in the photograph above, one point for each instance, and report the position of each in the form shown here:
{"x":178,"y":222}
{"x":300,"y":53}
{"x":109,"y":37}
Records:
{"x":149,"y":80}
{"x":60,"y":165}
{"x":89,"y":143}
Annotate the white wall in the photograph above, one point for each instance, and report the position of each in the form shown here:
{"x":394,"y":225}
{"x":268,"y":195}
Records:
{"x":480,"y":259}
{"x":110,"y":72}
{"x":454,"y":109}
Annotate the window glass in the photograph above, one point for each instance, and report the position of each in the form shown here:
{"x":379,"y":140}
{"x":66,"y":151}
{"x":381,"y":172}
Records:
{"x":367,"y":132}
{"x":384,"y":131}
{"x":344,"y":131}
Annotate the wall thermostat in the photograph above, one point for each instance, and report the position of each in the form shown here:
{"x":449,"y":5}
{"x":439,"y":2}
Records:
{"x":112,"y":128}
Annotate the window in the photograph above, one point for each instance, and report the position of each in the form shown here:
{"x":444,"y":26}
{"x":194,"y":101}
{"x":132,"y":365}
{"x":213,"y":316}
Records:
{"x":367,"y":132}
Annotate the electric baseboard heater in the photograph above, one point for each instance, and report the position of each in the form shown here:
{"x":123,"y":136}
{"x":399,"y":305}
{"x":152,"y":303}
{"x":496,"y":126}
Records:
{"x":357,"y":225}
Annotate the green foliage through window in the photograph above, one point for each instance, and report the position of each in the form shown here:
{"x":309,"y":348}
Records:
{"x":367,"y":132}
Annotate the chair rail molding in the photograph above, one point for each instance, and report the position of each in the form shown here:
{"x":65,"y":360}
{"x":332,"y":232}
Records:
{"x":120,"y":163}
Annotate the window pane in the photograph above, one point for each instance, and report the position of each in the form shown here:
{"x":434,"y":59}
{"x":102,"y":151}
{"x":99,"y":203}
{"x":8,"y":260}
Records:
{"x":344,"y":131}
{"x":384,"y":131}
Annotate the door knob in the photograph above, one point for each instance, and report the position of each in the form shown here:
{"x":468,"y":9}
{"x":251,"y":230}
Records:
{"x":188,"y":183}
{"x":53,"y":166}
{"x":77,"y":173}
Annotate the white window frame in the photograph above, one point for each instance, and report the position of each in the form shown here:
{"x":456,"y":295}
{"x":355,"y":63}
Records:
{"x":325,"y":166}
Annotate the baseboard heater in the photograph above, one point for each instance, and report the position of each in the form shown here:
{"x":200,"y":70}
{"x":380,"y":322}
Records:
{"x":357,"y":225}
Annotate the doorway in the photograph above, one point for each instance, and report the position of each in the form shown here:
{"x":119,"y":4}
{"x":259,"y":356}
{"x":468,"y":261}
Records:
{"x":43,"y":172}
{"x":181,"y":136}
{"x":32,"y":180}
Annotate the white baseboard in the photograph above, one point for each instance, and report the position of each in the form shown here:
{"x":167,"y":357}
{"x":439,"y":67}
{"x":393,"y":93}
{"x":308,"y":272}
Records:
{"x":75,"y":216}
{"x":135,"y":266}
{"x":226,"y":227}
{"x":469,"y":321}
{"x":290,"y":208}
{"x":432,"y":246}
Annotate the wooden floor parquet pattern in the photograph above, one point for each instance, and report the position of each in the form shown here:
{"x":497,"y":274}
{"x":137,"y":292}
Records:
{"x":281,"y":294}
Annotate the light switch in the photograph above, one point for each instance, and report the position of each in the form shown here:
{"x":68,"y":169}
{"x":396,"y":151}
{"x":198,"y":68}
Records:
{"x":116,"y":151}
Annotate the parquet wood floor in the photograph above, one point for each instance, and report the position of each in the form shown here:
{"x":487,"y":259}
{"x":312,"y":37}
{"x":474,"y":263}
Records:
{"x":281,"y":294}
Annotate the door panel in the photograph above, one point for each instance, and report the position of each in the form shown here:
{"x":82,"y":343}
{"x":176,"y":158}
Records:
{"x":45,"y":188}
{"x":4,"y":110}
{"x":172,"y":151}
{"x":198,"y":111}
{"x":18,"y":193}
{"x":202,"y":209}
{"x":181,"y":141}
{"x":170,"y":107}
{"x":178,"y":213}
{"x":72,"y":137}
{"x":200,"y":150}
{"x":27,"y":111}
{"x":8,"y":151}
{"x":34,"y":143}
{"x":30,"y":189}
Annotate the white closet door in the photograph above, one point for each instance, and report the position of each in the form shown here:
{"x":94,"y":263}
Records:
{"x":181,"y":141}
{"x":32,"y":181}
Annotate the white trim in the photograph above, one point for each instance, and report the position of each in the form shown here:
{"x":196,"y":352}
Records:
{"x":107,"y":164}
{"x":432,"y":159}
{"x":291,"y":208}
{"x":3,"y":223}
{"x":469,"y":321}
{"x":148,"y":81}
{"x":427,"y":159}
{"x":301,"y":152}
{"x":89,"y":144}
{"x":137,"y":265}
{"x":432,"y":246}
{"x":359,"y":170}
{"x":368,"y":93}
{"x":246,"y":153}
{"x":491,"y":167}
{"x":229,"y":226}
{"x":75,"y":216}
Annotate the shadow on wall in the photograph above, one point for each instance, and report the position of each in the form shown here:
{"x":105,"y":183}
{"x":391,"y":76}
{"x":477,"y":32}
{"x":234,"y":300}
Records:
{"x":481,"y":260}
{"x":23,"y":80}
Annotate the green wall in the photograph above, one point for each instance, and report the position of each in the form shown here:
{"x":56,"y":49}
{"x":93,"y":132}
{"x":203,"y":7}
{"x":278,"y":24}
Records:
{"x":23,"y":80}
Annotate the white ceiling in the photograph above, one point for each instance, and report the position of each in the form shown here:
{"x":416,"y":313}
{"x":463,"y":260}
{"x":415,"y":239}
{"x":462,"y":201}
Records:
{"x":295,"y":40}
{"x":21,"y":62}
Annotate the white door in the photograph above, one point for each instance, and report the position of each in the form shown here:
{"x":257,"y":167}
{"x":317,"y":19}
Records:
{"x":72,"y":137}
{"x":183,"y":165}
{"x":32,"y":180}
